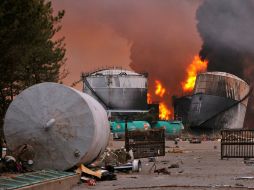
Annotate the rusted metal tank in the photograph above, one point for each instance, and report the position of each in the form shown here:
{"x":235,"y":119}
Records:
{"x":65,"y":127}
{"x":117,"y":89}
{"x":219,"y":102}
{"x":181,"y":108}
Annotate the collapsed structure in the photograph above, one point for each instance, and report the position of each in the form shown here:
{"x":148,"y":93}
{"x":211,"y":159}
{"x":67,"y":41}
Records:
{"x":219,"y":101}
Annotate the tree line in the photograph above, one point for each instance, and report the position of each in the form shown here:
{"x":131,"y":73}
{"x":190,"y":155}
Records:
{"x":29,"y":51}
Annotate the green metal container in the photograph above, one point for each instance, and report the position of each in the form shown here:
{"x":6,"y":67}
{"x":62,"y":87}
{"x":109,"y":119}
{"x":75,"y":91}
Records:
{"x":172,"y":128}
{"x":119,"y":126}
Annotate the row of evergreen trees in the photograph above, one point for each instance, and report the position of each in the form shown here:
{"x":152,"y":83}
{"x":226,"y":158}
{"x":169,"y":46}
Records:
{"x":29,"y":52}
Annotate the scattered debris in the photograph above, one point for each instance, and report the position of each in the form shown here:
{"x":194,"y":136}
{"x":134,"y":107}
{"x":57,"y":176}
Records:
{"x":219,"y":186}
{"x":164,"y":161}
{"x":246,"y":177}
{"x":175,"y":150}
{"x":134,"y":166}
{"x":108,"y":176}
{"x":151,"y":159}
{"x":248,"y":162}
{"x":113,"y":157}
{"x":10,"y":164}
{"x":163,"y":171}
{"x":173,"y":166}
{"x":113,"y":160}
{"x":89,"y":181}
{"x":133,"y":177}
{"x":176,"y":141}
{"x":83,"y":169}
{"x":118,"y":160}
{"x":99,"y":174}
{"x":111,"y":140}
{"x":24,"y":153}
{"x":124,"y":168}
{"x":195,"y":140}
{"x":239,"y":185}
{"x":180,"y":171}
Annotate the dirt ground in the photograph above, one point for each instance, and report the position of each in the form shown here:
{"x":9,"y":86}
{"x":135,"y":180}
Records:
{"x":200,"y":167}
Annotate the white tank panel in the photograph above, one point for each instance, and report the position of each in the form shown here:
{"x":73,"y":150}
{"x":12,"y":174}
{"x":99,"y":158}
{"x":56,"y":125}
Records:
{"x":64,"y":126}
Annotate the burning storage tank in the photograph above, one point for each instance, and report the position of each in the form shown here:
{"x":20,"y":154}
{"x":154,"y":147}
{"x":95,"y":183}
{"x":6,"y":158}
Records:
{"x":117,"y":89}
{"x":181,"y":108}
{"x":65,"y":127}
{"x":219,"y":102}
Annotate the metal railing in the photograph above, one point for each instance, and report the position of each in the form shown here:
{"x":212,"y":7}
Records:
{"x":144,"y":144}
{"x":237,"y":143}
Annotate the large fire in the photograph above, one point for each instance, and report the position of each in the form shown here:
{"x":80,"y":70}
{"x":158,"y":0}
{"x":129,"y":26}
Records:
{"x":164,"y":111}
{"x":160,"y":91}
{"x":149,"y":98}
{"x":193,"y":69}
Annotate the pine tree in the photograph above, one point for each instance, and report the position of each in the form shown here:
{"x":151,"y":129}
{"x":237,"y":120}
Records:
{"x":29,"y":52}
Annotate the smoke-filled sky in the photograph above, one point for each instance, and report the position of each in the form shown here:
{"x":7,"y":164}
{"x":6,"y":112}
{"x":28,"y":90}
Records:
{"x":154,"y":36}
{"x":159,"y":37}
{"x":227,"y":31}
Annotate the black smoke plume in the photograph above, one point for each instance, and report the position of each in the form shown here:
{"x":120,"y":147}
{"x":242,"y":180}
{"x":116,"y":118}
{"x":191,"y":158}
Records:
{"x":227,"y":30}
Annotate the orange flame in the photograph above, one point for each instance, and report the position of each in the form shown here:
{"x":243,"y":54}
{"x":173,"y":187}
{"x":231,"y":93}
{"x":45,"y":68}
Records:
{"x":164,"y":111}
{"x":193,"y":69}
{"x":149,"y":98}
{"x":160,"y":90}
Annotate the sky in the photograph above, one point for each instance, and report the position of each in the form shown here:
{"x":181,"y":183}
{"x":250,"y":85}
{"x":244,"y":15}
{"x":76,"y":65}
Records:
{"x":159,"y":37}
{"x":154,"y":36}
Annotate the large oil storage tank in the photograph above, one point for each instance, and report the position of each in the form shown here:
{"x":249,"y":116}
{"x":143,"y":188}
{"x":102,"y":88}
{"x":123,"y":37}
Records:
{"x":117,"y":89}
{"x":219,"y":102}
{"x":65,"y":127}
{"x":181,"y":108}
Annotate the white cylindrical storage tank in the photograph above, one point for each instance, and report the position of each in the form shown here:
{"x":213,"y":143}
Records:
{"x":65,"y":127}
{"x":117,"y":89}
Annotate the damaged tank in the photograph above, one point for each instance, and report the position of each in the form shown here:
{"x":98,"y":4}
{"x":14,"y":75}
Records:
{"x":117,"y":89}
{"x":181,"y":108}
{"x":219,"y":102}
{"x":65,"y":127}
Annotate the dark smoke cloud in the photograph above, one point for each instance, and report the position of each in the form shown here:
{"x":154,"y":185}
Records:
{"x":227,"y":30}
{"x":161,"y":35}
